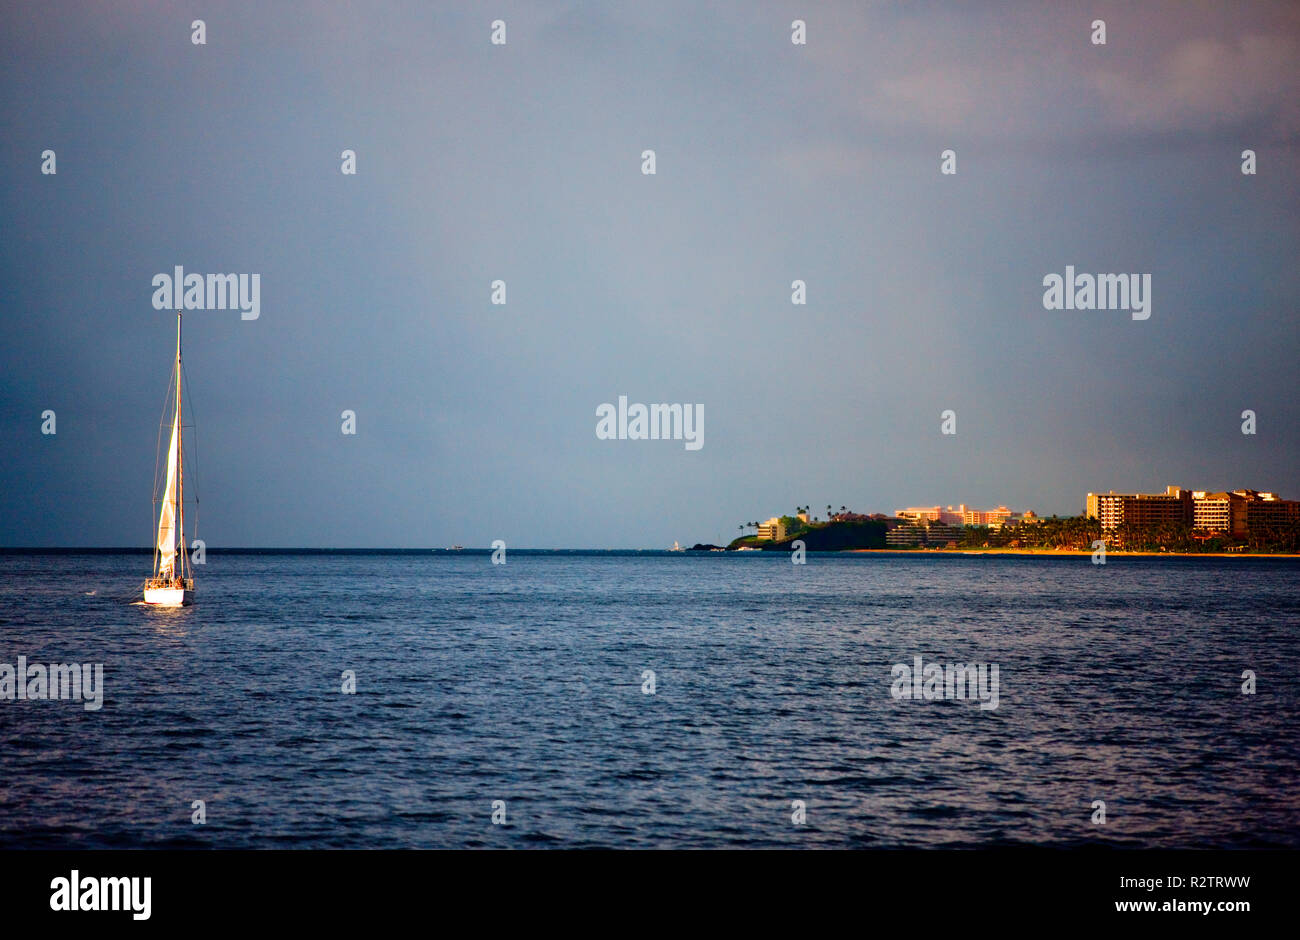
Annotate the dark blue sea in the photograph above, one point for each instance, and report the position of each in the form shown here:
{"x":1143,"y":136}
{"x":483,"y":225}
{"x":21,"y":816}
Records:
{"x":525,"y":683}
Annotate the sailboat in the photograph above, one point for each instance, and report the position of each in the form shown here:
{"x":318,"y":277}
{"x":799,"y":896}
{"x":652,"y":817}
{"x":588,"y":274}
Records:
{"x":172,"y":584}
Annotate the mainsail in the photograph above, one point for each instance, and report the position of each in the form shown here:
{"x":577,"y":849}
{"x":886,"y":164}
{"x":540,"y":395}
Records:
{"x":167,"y":520}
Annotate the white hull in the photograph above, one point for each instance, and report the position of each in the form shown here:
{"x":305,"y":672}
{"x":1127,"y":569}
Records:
{"x":168,"y":597}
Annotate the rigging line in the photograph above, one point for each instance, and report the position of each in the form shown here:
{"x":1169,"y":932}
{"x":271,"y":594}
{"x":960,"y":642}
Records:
{"x":194,"y":442}
{"x":194,"y":439}
{"x":158,"y":454}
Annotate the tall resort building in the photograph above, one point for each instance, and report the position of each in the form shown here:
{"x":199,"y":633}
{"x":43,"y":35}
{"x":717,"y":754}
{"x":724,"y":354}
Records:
{"x":1236,"y":513}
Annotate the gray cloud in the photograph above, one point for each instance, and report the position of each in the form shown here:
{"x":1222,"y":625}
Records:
{"x":775,"y":163}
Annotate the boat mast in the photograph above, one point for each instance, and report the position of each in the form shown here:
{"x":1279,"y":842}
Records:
{"x":180,"y":476}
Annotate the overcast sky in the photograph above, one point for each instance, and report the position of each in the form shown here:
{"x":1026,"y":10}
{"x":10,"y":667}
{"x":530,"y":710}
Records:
{"x":522,"y":162}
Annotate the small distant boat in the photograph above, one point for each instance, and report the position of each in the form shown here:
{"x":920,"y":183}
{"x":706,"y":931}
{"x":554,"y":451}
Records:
{"x":456,"y":548}
{"x":676,"y":547}
{"x":172,"y":583}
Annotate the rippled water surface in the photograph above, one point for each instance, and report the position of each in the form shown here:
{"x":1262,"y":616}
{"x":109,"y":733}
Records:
{"x":523,"y":683}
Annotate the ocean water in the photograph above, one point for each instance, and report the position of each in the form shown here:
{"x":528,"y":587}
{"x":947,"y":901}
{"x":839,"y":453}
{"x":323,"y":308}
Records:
{"x":524,"y":683}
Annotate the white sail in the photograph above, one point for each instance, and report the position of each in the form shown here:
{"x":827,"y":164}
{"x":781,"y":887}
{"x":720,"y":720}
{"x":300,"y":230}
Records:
{"x":167,"y":520}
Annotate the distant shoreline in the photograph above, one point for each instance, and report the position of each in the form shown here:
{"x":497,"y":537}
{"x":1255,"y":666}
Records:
{"x":1065,"y":551}
{"x":426,"y":552}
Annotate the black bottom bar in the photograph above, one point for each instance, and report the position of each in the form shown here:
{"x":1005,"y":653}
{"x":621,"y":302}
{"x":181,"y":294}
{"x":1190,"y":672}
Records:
{"x":941,"y":889}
